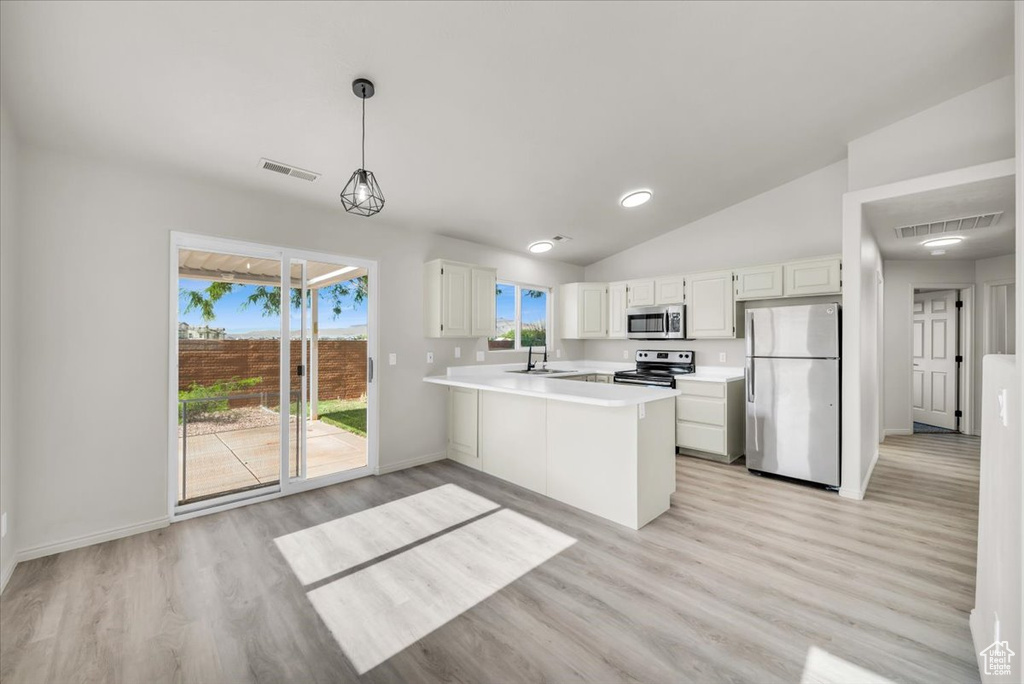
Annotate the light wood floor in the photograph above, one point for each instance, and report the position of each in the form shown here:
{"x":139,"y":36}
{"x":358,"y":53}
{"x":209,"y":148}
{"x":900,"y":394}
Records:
{"x":735,"y":583}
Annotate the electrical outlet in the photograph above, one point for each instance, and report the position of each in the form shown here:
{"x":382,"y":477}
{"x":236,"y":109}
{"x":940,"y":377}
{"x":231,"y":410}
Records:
{"x":480,"y":356}
{"x":721,"y":357}
{"x":430,"y":357}
{"x":458,"y":352}
{"x":393,"y":359}
{"x":3,"y":525}
{"x":625,"y":354}
{"x":642,"y":408}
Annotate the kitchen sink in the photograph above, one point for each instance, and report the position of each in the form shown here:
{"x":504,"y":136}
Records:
{"x":539,"y":371}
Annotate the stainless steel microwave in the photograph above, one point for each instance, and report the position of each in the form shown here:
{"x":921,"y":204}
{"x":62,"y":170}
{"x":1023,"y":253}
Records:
{"x":656,"y":322}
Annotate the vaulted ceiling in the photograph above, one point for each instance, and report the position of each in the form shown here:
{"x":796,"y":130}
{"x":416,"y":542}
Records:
{"x":498,"y":122}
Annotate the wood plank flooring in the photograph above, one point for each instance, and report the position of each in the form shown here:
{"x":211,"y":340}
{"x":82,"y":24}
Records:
{"x":735,"y":583}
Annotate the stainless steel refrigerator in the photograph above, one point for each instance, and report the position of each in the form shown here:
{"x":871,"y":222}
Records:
{"x":793,"y":392}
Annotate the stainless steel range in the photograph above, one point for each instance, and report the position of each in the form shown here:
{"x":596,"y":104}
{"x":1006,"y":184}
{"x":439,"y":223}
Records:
{"x":657,"y":368}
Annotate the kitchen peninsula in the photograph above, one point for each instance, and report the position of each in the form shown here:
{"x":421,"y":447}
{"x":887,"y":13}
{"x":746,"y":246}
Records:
{"x":604,"y":448}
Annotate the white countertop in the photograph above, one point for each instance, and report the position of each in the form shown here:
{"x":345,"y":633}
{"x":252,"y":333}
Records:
{"x":551,"y":387}
{"x":714,"y":374}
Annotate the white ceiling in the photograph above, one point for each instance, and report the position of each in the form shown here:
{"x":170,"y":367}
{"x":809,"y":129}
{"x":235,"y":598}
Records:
{"x":498,"y":122}
{"x":971,"y":199}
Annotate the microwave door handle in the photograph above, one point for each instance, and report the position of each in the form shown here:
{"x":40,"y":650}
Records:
{"x":666,"y":324}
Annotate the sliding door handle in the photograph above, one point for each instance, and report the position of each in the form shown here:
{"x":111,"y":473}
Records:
{"x":369,"y":369}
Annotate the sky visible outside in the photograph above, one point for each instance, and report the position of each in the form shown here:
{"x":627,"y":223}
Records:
{"x":534,"y":309}
{"x":230,"y":314}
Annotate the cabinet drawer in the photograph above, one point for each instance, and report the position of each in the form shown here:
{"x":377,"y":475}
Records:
{"x":700,"y":410}
{"x":698,"y":388}
{"x":700,"y":437}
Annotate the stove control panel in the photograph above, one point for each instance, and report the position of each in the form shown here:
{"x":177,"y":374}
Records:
{"x":660,"y":356}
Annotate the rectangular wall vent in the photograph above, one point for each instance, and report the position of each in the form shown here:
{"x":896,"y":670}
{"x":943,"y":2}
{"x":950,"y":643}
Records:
{"x":289,"y":170}
{"x":955,"y":225}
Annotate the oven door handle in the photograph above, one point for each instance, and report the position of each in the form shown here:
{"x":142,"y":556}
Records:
{"x":628,"y":381}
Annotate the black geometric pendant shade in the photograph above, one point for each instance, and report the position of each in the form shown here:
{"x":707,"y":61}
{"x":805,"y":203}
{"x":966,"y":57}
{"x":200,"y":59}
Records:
{"x":362,"y":195}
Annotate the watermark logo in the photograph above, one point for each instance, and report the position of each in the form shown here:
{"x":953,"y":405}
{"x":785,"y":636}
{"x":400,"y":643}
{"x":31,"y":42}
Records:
{"x":997,"y":658}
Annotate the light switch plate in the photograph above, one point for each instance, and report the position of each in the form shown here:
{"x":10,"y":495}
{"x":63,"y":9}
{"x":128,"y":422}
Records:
{"x":479,"y":356}
{"x":393,"y":359}
{"x":458,"y":352}
{"x":430,"y":357}
{"x":721,"y":357}
{"x":625,"y":354}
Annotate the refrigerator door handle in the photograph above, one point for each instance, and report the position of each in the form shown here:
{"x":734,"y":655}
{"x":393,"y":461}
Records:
{"x":750,"y":333}
{"x":750,"y":380}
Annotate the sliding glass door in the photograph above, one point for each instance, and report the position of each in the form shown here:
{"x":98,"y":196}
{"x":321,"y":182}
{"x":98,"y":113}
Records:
{"x":273,"y":393}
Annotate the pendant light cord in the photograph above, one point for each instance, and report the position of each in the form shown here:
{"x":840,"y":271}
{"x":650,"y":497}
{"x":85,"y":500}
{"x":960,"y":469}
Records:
{"x":364,"y":127}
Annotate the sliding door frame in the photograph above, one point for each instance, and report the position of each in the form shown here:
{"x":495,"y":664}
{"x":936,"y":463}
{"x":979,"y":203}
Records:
{"x":287,"y":485}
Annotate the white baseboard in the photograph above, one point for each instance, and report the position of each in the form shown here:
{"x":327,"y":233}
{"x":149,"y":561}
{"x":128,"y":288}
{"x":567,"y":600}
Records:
{"x":898,"y":431}
{"x":976,"y":637}
{"x":410,"y":463}
{"x":90,"y":539}
{"x":5,"y":575}
{"x":858,"y":494}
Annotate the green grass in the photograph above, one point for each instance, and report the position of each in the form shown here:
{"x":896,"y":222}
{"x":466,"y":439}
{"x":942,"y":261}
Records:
{"x":347,"y":414}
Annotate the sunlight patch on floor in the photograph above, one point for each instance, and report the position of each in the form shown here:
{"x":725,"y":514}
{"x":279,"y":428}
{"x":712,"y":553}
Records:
{"x":319,"y":552}
{"x":821,"y":667}
{"x":382,"y":609}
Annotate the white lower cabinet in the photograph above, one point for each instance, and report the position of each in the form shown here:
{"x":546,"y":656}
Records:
{"x":463,"y":426}
{"x":513,"y":439}
{"x":710,"y":419}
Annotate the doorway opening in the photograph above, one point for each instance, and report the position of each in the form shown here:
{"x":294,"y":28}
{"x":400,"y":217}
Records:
{"x":271,"y":373}
{"x":940,"y":370}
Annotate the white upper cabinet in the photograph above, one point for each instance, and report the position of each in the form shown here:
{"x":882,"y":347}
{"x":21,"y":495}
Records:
{"x":669,"y":290}
{"x":759,"y":282}
{"x":584,"y":310}
{"x":710,"y":310}
{"x":483,"y":320}
{"x":458,"y":299}
{"x":641,"y":293}
{"x":820,"y":276}
{"x":617,"y":310}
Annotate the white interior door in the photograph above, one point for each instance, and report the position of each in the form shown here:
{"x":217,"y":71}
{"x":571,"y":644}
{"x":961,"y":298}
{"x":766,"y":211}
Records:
{"x":934,"y":380}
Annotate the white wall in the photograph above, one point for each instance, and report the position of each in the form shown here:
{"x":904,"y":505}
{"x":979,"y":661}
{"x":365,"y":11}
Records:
{"x":802,"y":218}
{"x":900,"y":277}
{"x":8,"y":341}
{"x":93,"y":406}
{"x":973,"y":128}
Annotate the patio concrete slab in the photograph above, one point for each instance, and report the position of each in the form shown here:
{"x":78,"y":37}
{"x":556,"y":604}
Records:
{"x":238,"y":459}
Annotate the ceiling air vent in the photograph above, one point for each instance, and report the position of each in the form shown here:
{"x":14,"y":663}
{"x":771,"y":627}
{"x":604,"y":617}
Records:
{"x":955,"y":225}
{"x":288,"y":170}
{"x":561,"y":238}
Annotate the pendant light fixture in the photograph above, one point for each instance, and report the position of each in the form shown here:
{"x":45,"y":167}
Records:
{"x":361,"y":194}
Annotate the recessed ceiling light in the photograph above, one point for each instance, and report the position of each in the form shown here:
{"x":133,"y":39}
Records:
{"x":938,"y":252}
{"x":942,"y":242}
{"x":541,"y":246}
{"x":636,"y":198}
